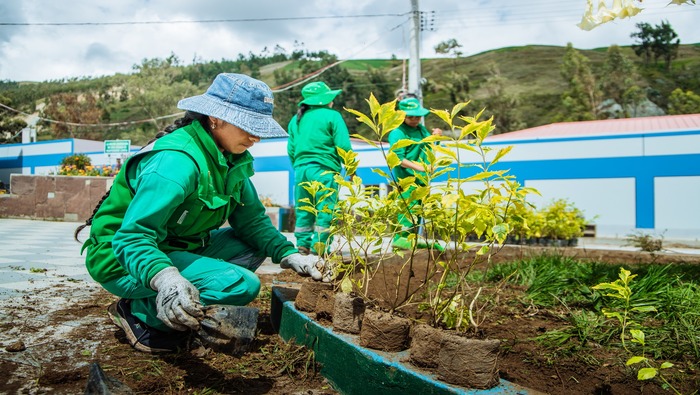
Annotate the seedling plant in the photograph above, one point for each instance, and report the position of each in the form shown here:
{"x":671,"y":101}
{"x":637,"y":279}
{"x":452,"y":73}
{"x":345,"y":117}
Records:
{"x":460,"y":194}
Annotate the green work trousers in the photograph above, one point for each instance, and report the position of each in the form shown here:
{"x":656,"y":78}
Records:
{"x":309,"y":228}
{"x":223,"y":272}
{"x":406,"y":218}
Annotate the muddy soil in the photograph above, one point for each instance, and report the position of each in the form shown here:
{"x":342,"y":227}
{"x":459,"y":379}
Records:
{"x":516,"y":323}
{"x":49,"y":338}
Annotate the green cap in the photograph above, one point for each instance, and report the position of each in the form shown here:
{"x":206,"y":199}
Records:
{"x":412,"y":107}
{"x":318,"y":94}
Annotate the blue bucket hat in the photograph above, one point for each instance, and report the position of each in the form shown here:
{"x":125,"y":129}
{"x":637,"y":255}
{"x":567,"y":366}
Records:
{"x":412,"y":107}
{"x":318,"y":94}
{"x":239,"y":100}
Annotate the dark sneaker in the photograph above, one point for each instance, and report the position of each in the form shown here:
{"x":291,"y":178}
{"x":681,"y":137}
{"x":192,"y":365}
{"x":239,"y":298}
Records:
{"x":141,"y":336}
{"x":304,"y":250}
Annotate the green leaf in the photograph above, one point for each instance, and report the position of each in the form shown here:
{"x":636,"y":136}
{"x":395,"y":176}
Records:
{"x":381,"y":172}
{"x":392,"y":160}
{"x":501,"y":153}
{"x":346,"y":285}
{"x":637,"y":335}
{"x":644,"y":308}
{"x":449,"y":199}
{"x":646,"y":373}
{"x":634,"y":360}
{"x":483,"y":250}
{"x":444,"y":115}
{"x":362,"y":118}
{"x":458,"y":107}
{"x":480,"y":176}
{"x":406,"y":182}
{"x":402,"y":144}
{"x":366,"y":140}
{"x":666,"y":365}
{"x":500,"y":231}
{"x":468,"y":147}
{"x":445,"y":151}
{"x":419,"y":193}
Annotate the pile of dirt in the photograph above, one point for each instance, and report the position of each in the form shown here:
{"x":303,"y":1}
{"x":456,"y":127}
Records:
{"x":51,"y":337}
{"x":524,"y":360}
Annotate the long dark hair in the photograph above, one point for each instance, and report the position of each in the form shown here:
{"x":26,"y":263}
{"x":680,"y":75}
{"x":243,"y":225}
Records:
{"x":186,"y":119}
{"x":300,"y":112}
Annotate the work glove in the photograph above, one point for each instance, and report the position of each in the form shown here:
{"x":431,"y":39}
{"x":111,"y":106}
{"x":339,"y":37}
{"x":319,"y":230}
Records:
{"x":177,"y":300}
{"x":305,"y":265}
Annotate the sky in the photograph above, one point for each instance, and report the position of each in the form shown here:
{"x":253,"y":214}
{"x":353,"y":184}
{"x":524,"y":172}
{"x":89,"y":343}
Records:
{"x":44,"y":40}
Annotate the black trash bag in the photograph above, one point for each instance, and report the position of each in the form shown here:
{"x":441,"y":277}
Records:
{"x":100,"y":384}
{"x":229,"y":329}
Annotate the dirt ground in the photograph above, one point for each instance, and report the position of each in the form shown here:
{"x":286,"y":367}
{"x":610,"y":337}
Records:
{"x":516,"y":324}
{"x":49,"y":351}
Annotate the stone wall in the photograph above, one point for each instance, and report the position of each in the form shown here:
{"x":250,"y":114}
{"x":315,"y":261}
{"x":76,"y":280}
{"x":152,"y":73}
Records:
{"x":53,"y":198}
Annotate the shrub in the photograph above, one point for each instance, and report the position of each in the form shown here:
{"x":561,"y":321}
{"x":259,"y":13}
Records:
{"x":81,"y":165}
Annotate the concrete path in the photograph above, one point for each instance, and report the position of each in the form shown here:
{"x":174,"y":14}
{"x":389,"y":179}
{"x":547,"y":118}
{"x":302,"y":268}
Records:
{"x":38,"y":254}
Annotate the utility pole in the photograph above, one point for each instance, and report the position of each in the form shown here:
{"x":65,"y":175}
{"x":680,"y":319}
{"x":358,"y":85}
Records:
{"x":414,"y":73}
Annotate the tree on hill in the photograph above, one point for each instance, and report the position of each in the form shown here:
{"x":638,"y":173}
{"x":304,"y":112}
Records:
{"x":156,"y":88}
{"x":657,"y":42}
{"x":10,"y":123}
{"x":582,"y":99}
{"x":449,"y":47}
{"x":666,"y":43}
{"x":618,"y":79}
{"x":500,"y":104}
{"x":68,"y":111}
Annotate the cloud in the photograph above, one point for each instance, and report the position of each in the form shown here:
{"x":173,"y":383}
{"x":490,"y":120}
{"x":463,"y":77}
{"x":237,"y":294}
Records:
{"x":40,"y":52}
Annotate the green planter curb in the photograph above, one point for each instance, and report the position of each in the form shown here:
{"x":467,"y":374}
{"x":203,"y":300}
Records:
{"x":352,"y":369}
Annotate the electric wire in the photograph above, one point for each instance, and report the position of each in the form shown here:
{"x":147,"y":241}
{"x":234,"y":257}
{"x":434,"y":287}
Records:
{"x":175,"y":22}
{"x":299,"y":81}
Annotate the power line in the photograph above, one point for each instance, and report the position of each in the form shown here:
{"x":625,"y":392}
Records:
{"x":299,"y":81}
{"x":298,"y":18}
{"x":94,"y":125}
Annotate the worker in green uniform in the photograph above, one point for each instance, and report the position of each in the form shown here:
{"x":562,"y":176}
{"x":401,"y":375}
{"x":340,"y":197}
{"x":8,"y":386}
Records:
{"x":315,"y":133}
{"x":413,"y":158}
{"x":156,"y":239}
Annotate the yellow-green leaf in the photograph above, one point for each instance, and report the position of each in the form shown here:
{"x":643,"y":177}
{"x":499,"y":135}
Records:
{"x":501,"y":153}
{"x":392,"y":160}
{"x":483,"y":250}
{"x":646,"y":373}
{"x":346,"y":285}
{"x":458,"y":107}
{"x":634,"y":360}
{"x":444,"y":115}
{"x":402,"y":144}
{"x":445,"y":151}
{"x":481,"y":176}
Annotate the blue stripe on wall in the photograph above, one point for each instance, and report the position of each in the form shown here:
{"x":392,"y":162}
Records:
{"x":597,"y":137}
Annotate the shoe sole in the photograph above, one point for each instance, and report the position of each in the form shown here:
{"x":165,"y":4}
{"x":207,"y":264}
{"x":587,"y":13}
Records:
{"x":116,"y":319}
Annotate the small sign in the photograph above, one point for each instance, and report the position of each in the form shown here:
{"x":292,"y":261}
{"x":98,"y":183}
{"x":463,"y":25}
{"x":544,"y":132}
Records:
{"x":117,"y":146}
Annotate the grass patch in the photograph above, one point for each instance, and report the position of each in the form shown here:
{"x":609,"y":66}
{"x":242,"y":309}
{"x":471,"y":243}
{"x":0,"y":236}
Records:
{"x":563,"y":285}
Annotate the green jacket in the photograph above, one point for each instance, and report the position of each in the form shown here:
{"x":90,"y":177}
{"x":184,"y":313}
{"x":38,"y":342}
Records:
{"x":315,"y":138}
{"x":415,"y":152}
{"x":170,"y":196}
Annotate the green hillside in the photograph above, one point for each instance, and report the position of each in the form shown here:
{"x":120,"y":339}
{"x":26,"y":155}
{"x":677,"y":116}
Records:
{"x":520,"y":86}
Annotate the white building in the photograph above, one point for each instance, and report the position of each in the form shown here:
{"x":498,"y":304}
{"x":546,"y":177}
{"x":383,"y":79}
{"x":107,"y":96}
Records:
{"x":626,"y":175}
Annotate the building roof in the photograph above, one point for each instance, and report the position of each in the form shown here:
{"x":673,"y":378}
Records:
{"x":607,"y":127}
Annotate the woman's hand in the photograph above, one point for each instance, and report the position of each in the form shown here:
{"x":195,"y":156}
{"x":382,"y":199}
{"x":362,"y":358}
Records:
{"x":177,"y":301}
